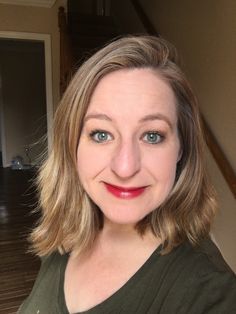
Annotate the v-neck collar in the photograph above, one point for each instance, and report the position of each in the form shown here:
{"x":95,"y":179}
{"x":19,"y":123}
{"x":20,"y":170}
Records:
{"x":116,"y":298}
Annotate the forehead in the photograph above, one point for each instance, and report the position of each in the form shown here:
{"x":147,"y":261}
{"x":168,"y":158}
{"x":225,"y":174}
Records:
{"x":133,"y":93}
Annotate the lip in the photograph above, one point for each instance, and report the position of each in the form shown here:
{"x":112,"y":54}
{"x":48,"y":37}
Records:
{"x":124,"y":192}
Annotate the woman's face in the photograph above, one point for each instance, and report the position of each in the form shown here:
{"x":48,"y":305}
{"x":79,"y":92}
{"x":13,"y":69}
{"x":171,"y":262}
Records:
{"x":129,"y":145}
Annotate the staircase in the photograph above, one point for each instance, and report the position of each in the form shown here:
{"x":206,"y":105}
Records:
{"x":81,"y":36}
{"x":88,"y":32}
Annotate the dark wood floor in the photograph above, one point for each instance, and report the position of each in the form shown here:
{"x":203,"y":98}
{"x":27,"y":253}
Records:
{"x":18,"y":268}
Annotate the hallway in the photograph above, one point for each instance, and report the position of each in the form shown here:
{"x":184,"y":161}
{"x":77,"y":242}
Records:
{"x":18,"y":268}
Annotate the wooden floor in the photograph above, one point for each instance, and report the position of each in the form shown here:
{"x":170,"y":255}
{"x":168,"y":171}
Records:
{"x":18,"y":269}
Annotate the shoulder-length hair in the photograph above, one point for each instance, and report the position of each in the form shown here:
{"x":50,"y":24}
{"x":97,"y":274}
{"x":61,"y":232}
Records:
{"x":70,"y":220}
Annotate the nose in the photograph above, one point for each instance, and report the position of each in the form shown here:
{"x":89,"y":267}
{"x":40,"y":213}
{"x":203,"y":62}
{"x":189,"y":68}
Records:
{"x":126,"y":161}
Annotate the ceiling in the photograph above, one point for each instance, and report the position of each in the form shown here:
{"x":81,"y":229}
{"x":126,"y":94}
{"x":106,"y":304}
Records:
{"x":35,"y":3}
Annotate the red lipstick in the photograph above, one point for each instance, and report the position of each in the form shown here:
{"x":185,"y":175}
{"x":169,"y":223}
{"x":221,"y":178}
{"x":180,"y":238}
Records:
{"x":124,"y":192}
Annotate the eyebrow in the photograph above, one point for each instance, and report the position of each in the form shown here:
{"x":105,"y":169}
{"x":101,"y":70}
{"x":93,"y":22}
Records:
{"x":99,"y":116}
{"x":150,"y":117}
{"x":157,"y":116}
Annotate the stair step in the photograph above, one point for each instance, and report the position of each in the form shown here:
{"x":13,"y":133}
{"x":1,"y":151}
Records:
{"x":99,"y":30}
{"x":89,"y":41}
{"x":90,"y":19}
{"x":82,"y":54}
{"x":88,"y":32}
{"x":73,"y":5}
{"x":92,"y":25}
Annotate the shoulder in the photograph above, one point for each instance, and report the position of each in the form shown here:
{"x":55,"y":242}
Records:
{"x":44,"y":294}
{"x":51,"y":268}
{"x":51,"y":260}
{"x":50,"y":265}
{"x":204,"y":283}
{"x":196,"y":261}
{"x":206,"y":257}
{"x":205,"y":262}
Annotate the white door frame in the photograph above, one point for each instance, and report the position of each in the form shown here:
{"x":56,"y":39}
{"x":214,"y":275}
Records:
{"x":46,"y":39}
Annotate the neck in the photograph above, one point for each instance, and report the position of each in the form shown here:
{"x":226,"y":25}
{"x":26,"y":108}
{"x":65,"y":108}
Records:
{"x":125,"y":237}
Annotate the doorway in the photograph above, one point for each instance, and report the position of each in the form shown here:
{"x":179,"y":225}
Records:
{"x":25,"y":98}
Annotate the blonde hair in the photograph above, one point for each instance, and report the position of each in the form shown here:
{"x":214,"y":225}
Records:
{"x":70,"y":220}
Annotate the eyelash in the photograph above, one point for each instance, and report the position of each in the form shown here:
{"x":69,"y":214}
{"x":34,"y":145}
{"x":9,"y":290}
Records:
{"x":95,"y":133}
{"x":156,"y":133}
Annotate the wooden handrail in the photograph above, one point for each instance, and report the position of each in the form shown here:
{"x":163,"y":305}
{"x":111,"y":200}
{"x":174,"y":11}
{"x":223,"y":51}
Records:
{"x":220,"y":158}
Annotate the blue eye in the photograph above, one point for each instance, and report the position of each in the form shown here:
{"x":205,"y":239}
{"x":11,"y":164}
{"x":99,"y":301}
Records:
{"x":100,"y":136}
{"x":153,"y":137}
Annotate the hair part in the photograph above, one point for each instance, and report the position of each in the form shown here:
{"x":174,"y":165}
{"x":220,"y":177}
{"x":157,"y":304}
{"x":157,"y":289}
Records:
{"x":70,"y":220}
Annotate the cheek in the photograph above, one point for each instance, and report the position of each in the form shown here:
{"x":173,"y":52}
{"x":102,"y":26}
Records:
{"x":162,"y":165}
{"x":168,"y":171}
{"x":89,"y":162}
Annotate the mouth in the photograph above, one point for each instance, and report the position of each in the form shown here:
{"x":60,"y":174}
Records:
{"x":124,"y":192}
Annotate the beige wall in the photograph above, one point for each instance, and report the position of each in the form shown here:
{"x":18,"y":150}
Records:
{"x":204,"y":33}
{"x":36,"y":20}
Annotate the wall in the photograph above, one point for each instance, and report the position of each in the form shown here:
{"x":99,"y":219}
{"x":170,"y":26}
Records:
{"x":36,"y":20}
{"x":204,"y":34}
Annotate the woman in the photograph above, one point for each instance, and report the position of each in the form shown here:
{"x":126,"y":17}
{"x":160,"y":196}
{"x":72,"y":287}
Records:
{"x":126,"y":206}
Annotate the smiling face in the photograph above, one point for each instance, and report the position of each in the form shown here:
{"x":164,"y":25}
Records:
{"x":129,"y":145}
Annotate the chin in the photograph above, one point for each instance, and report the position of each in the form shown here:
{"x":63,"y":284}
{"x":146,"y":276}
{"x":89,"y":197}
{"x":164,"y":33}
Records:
{"x":125,"y":217}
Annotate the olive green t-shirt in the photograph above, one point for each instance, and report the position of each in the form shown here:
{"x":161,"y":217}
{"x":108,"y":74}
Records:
{"x":186,"y":281}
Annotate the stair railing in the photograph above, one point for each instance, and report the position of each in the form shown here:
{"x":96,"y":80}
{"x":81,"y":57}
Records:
{"x":216,"y":151}
{"x":220,"y":158}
